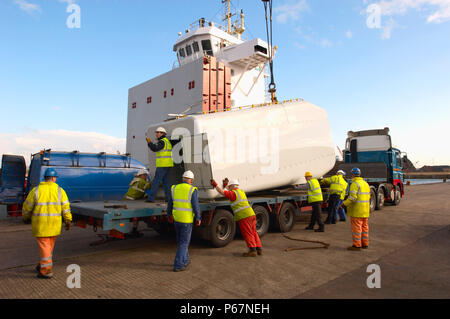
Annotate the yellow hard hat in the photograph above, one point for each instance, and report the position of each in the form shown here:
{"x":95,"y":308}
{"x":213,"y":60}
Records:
{"x":308,"y":174}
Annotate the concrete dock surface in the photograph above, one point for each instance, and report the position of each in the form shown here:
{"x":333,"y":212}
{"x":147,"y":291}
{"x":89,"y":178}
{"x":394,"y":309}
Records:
{"x":410,"y":243}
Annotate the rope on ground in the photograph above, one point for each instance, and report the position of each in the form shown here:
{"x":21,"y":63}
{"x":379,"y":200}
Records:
{"x":324,"y":245}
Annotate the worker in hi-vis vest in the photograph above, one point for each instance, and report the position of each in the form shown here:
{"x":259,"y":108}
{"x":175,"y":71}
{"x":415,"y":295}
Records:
{"x":138,"y":186}
{"x":358,"y":208}
{"x":164,"y":161}
{"x":46,"y":205}
{"x":315,"y":198}
{"x":182,"y":209}
{"x":243,"y":214}
{"x":338,"y":185}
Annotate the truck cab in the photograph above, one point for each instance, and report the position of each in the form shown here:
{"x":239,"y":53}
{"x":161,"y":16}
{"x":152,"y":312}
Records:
{"x":380,"y":163}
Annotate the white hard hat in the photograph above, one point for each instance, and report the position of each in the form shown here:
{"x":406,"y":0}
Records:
{"x":341,"y":172}
{"x":234,"y":182}
{"x":161,"y":129}
{"x":141,"y":172}
{"x":188,"y":174}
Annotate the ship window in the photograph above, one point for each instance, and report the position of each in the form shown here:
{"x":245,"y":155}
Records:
{"x":207,"y":48}
{"x":188,"y":50}
{"x":182,"y":53}
{"x":195,"y":47}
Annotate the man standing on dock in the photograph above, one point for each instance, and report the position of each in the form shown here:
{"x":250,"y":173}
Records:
{"x":315,"y":198}
{"x":182,"y":209}
{"x":358,"y":208}
{"x":164,"y":161}
{"x":243,"y":214}
{"x":338,"y":185}
{"x":45,"y":205}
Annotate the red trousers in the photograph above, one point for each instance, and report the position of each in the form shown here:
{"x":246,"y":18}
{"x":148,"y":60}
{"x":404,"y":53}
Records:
{"x":248,"y":230}
{"x":360,"y":231}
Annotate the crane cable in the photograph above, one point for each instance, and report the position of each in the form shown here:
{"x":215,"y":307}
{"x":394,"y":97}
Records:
{"x":272,"y":85}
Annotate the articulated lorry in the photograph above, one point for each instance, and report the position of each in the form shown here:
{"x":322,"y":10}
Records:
{"x":381,"y":165}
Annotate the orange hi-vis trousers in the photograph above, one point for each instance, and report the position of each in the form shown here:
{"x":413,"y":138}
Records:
{"x":46,"y":245}
{"x":360,"y":231}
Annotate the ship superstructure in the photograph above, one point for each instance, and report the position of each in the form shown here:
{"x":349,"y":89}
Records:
{"x":216,"y":71}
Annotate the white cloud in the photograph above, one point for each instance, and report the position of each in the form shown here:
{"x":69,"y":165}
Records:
{"x":437,"y":11}
{"x":29,"y":8}
{"x":349,"y":34}
{"x":32,"y":141}
{"x":69,"y":2}
{"x":290,"y":11}
{"x":325,"y":43}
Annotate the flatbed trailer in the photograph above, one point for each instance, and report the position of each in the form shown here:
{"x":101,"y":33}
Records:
{"x":276,"y":209}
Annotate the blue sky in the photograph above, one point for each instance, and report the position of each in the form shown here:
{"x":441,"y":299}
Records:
{"x":55,"y":80}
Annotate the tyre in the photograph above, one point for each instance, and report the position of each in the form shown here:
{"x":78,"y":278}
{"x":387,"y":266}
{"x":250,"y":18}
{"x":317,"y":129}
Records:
{"x":262,"y":220}
{"x":380,"y":199}
{"x":222,"y":228}
{"x":286,"y":218}
{"x":373,"y":200}
{"x":397,"y":195}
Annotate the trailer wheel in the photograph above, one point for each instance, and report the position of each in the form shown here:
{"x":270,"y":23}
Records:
{"x":380,"y":199}
{"x":222,"y":228}
{"x":262,"y":219}
{"x":373,"y":200}
{"x":397,"y":196}
{"x":286,"y":218}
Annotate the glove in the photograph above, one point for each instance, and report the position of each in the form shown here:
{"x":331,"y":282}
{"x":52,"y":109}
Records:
{"x":68,"y":225}
{"x":213,"y":183}
{"x":148,"y":140}
{"x":225,"y":182}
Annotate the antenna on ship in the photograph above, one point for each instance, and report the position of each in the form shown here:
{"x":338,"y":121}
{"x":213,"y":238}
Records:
{"x":272,"y":86}
{"x":233,"y":29}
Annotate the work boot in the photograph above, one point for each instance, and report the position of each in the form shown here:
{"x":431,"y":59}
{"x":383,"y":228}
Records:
{"x":365,"y":247}
{"x":179,"y":269}
{"x":259,"y":251}
{"x":321,"y":229}
{"x":38,"y":268}
{"x":309,"y":228}
{"x":354,"y":248}
{"x":48,"y":275}
{"x":250,"y":253}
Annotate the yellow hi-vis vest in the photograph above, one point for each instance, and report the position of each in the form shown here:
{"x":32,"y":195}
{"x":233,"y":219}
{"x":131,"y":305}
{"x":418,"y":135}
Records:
{"x":314,"y":191}
{"x":337,"y":184}
{"x":358,"y":201}
{"x":164,"y":156}
{"x":344,"y":188}
{"x":182,"y":208}
{"x":137,"y":189}
{"x":241,"y":207}
{"x":46,"y":204}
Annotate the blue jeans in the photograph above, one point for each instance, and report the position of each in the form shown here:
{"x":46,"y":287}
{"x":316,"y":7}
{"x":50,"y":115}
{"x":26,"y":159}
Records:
{"x":333,"y":203}
{"x":183,"y":232}
{"x":161,"y":175}
{"x":341,"y":212}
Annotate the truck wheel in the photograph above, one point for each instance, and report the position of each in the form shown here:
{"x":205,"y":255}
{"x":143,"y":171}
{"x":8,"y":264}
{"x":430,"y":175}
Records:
{"x":380,"y":199}
{"x":222,"y":228}
{"x":397,"y":196}
{"x":373,"y":200}
{"x":286,"y":218}
{"x":262,"y":219}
